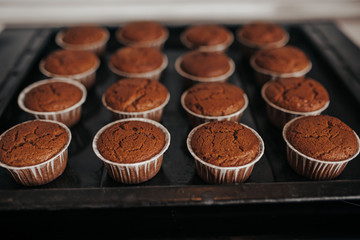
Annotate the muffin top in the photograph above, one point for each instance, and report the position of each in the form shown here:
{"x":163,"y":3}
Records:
{"x":68,"y":62}
{"x":214,"y":99}
{"x":297,"y":94}
{"x":207,"y":35}
{"x":322,"y":137}
{"x":52,"y":97}
{"x":79,"y":35}
{"x":225,"y":144}
{"x":262,"y":33}
{"x":205,"y":64}
{"x":31,"y":143}
{"x":287,"y":59}
{"x":137,"y":60}
{"x":143,"y":31}
{"x":135,"y":95}
{"x":130,"y":142}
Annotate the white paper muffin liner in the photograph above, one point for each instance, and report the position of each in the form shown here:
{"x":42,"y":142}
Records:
{"x":159,"y":43}
{"x":279,"y":116}
{"x":214,"y":48}
{"x":154,"y":75}
{"x":44,"y":172}
{"x":69,"y":116}
{"x":313,"y":168}
{"x":133,"y":173}
{"x":263,"y":75}
{"x":98,"y":47}
{"x":218,"y":175}
{"x":189,"y":80}
{"x":248,"y":48}
{"x":153,"y":114}
{"x":197,"y":119}
{"x":86,"y":78}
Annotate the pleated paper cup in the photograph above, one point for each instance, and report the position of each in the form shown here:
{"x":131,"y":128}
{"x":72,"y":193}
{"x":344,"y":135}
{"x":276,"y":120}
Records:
{"x":86,"y":78}
{"x":214,"y":48}
{"x":44,"y":172}
{"x":154,"y":75}
{"x":279,"y":116}
{"x":159,"y":43}
{"x":196,"y":119}
{"x":98,"y":47}
{"x":218,"y":175}
{"x":313,"y":168}
{"x":263,"y":75}
{"x":190,"y":80}
{"x":133,"y":173}
{"x":69,"y":116}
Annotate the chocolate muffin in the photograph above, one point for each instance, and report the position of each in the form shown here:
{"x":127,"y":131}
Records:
{"x":138,"y":62}
{"x":142,"y":34}
{"x":207,"y":37}
{"x":35,"y":152}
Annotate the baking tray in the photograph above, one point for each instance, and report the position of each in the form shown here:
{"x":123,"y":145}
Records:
{"x":85,"y":183}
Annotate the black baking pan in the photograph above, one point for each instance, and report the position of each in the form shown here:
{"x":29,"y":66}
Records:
{"x":85,"y":183}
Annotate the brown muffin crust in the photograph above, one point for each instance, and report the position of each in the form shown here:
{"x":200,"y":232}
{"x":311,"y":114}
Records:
{"x":262,"y":33}
{"x":68,"y":62}
{"x":137,"y":60}
{"x":205,"y":64}
{"x":52,"y":97}
{"x":297,"y":94}
{"x":32,"y":143}
{"x":143,"y":31}
{"x":322,"y":137}
{"x":79,"y":35}
{"x":135,"y":95}
{"x":207,"y":35}
{"x":286,"y":59}
{"x":214,"y":99}
{"x":225,"y":144}
{"x":131,"y":142}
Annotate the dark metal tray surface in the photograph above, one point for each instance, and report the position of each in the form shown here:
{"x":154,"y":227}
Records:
{"x":85,"y":183}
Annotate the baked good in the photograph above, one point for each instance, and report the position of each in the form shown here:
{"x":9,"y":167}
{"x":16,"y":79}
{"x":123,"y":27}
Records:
{"x":224,"y":151}
{"x":207,"y":37}
{"x":132,"y":149}
{"x":197,"y":66}
{"x":77,"y":65}
{"x":258,"y":35}
{"x":214,"y":102}
{"x":54,"y":99}
{"x":136,"y":97}
{"x":284,"y":62}
{"x":288,"y":98}
{"x":319,"y":147}
{"x":133,"y":62}
{"x":142,"y":34}
{"x":83,"y":37}
{"x":35,"y":152}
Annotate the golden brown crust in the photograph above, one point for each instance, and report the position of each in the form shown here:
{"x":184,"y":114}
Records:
{"x":131,"y":142}
{"x":82,"y":35}
{"x":32,"y":143}
{"x":207,"y":35}
{"x":225,"y":144}
{"x":262,"y":33}
{"x":143,"y":31}
{"x":322,"y":137}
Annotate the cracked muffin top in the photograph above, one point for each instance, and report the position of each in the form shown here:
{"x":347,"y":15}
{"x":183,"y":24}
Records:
{"x":288,"y":59}
{"x":322,"y":137}
{"x":137,"y":60}
{"x":52,"y":97}
{"x":87,"y":34}
{"x":135,"y":95}
{"x":297,"y":94}
{"x":207,"y":35}
{"x":69,"y":62}
{"x":225,"y":144}
{"x":32,"y":142}
{"x":130,"y":142}
{"x":205,"y":64}
{"x":214,"y":99}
